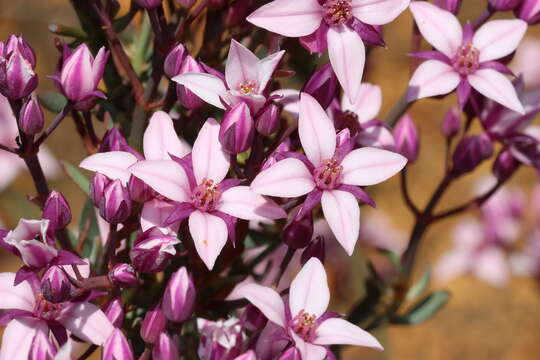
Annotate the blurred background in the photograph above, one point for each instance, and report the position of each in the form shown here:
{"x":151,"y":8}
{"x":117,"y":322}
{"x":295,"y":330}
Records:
{"x":480,"y":321}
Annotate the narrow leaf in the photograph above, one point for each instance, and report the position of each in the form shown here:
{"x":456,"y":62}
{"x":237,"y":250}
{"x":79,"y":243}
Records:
{"x":420,"y":286}
{"x":78,"y":178}
{"x":425,"y":309}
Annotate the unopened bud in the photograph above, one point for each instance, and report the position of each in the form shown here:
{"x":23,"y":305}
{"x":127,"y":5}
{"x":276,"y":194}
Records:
{"x":316,"y":248}
{"x":55,"y":285}
{"x":117,"y":347}
{"x":123,"y":275}
{"x":291,"y":354}
{"x":406,"y":138}
{"x":505,"y":165}
{"x":187,"y":98}
{"x":31,"y":119}
{"x":115,"y":312}
{"x":504,"y":5}
{"x":470,"y":152}
{"x":152,"y":251}
{"x":322,"y":85}
{"x":451,"y":123}
{"x":139,"y":191}
{"x":449,"y":5}
{"x":97,"y":186}
{"x":57,"y":211}
{"x":529,"y":11}
{"x":153,"y":324}
{"x":298,"y":232}
{"x":179,"y":296}
{"x":237,"y":131}
{"x":165,"y":348}
{"x":268,"y":122}
{"x":115,"y":205}
{"x":173,"y":61}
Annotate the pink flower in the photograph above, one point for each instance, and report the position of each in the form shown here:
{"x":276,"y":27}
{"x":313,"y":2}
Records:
{"x":211,"y":202}
{"x":464,"y":59}
{"x":304,"y":318}
{"x":524,"y":63}
{"x":246,"y":78}
{"x":332,"y":24}
{"x":330,"y":174}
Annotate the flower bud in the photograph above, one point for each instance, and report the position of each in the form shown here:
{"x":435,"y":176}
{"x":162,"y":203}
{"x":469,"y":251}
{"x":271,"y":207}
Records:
{"x":529,"y":11}
{"x":57,"y":211}
{"x":525,"y":149}
{"x":505,"y":165}
{"x":115,"y":205}
{"x":179,"y":296}
{"x":268,"y":122}
{"x":31,"y":119}
{"x":138,"y":190}
{"x":322,"y":85}
{"x":148,"y":4}
{"x":449,"y":5}
{"x":253,"y":318}
{"x":123,"y":275}
{"x":237,"y":12}
{"x":153,"y":324}
{"x":173,"y":61}
{"x":236,"y":132}
{"x":18,"y":43}
{"x":291,"y":354}
{"x":55,"y":285}
{"x":42,"y":347}
{"x":222,"y":339}
{"x":165,"y":348}
{"x":17,"y":62}
{"x":406,"y":138}
{"x":248,"y":355}
{"x":316,"y":248}
{"x":97,"y":186}
{"x":115,"y":312}
{"x":152,"y":251}
{"x":186,"y":3}
{"x":113,"y":140}
{"x":470,"y":152}
{"x":188,"y":99}
{"x":298,"y":232}
{"x":451,"y":123}
{"x":117,"y":347}
{"x":504,"y":5}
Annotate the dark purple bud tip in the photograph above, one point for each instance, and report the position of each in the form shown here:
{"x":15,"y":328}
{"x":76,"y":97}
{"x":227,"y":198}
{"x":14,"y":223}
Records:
{"x":55,"y":285}
{"x":57,"y":211}
{"x":123,"y":275}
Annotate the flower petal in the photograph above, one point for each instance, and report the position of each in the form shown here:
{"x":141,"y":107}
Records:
{"x":432,"y":78}
{"x":113,"y":164}
{"x":155,"y":213}
{"x":453,"y":264}
{"x":369,"y":166}
{"x":378,"y":12}
{"x":160,"y":139}
{"x":87,"y":322}
{"x":316,"y":130}
{"x":15,"y":297}
{"x":267,"y":300}
{"x":288,"y":18}
{"x":18,"y":337}
{"x":286,"y":178}
{"x":347,"y":55}
{"x":266,"y":67}
{"x":209,"y":159}
{"x":308,"y":350}
{"x":309,"y":290}
{"x":241,"y":65}
{"x":209,"y":234}
{"x":241,"y":202}
{"x":342,"y":213}
{"x":340,"y":331}
{"x":498,"y":38}
{"x":164,"y":176}
{"x":497,"y":87}
{"x":208,"y":87}
{"x":439,"y":27}
{"x":366,"y":105}
{"x":492,"y":267}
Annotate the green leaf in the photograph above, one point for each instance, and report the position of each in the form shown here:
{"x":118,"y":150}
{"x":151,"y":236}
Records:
{"x":89,"y":225}
{"x":68,"y":31}
{"x":78,"y":178}
{"x":394,"y":258}
{"x":54,"y":102}
{"x":420,"y":286}
{"x":425,"y":308}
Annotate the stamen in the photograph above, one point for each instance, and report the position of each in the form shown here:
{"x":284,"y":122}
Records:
{"x":466,"y":60}
{"x":247,"y":87}
{"x":304,"y":325}
{"x":328,"y":175}
{"x":337,"y":11}
{"x":206,"y":196}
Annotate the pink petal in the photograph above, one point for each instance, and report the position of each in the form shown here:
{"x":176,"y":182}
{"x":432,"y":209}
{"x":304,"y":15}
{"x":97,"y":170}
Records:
{"x":309,"y":290}
{"x":287,"y":178}
{"x":432,"y":78}
{"x":209,"y":159}
{"x":366,"y":105}
{"x":347,"y":55}
{"x":18,"y":337}
{"x":377,"y":136}
{"x":208,"y":87}
{"x":154,"y":213}
{"x":160,"y":139}
{"x":15,"y":297}
{"x":453,"y":264}
{"x":439,"y":27}
{"x":266,"y":67}
{"x":209,"y":234}
{"x":290,"y":99}
{"x":267,"y":300}
{"x":87,"y":322}
{"x":378,"y":12}
{"x":342,"y":213}
{"x":316,"y":131}
{"x":498,"y":38}
{"x":113,"y":164}
{"x":308,"y":350}
{"x":340,"y":331}
{"x":241,"y":202}
{"x":369,"y":166}
{"x":491,"y":266}
{"x":164,"y":176}
{"x":249,"y":355}
{"x":241,"y":65}
{"x":497,"y":87}
{"x":288,"y":18}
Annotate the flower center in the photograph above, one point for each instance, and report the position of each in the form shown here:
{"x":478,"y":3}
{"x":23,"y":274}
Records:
{"x":47,"y":310}
{"x":205,"y":197}
{"x":328,"y":175}
{"x":466,"y":60}
{"x":247,"y":87}
{"x":337,"y":11}
{"x":304,"y":325}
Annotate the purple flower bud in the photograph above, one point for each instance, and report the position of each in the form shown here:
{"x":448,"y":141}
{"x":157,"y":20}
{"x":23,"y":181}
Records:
{"x":529,"y":11}
{"x":57,"y":211}
{"x":186,"y":3}
{"x":450,"y":5}
{"x":248,"y":355}
{"x":291,"y":354}
{"x":237,"y":131}
{"x":179,"y":296}
{"x":316,"y":248}
{"x":42,"y":347}
{"x":113,"y":140}
{"x":237,"y":12}
{"x":173,"y":61}
{"x":470,"y":152}
{"x":525,"y":149}
{"x":17,"y":42}
{"x":55,"y":285}
{"x":123,"y":275}
{"x":505,"y":165}
{"x":115,"y":205}
{"x":17,"y":62}
{"x":253,"y":318}
{"x":31,"y":119}
{"x":322,"y":85}
{"x":222,"y":339}
{"x":165,"y":348}
{"x":406,"y":137}
{"x":298,"y":232}
{"x":148,"y":4}
{"x":504,"y":5}
{"x":117,"y":347}
{"x":188,"y":99}
{"x":268,"y":122}
{"x":97,"y":186}
{"x":152,"y":251}
{"x":153,"y":324}
{"x":115,"y":312}
{"x":451,"y":123}
{"x":138,"y":190}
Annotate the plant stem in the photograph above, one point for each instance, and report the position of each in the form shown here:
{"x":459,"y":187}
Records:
{"x":398,"y":110}
{"x":57,"y":120}
{"x":405,"y":192}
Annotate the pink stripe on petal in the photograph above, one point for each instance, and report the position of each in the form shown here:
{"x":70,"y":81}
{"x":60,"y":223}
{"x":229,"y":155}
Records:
{"x":378,"y":12}
{"x":18,"y":337}
{"x":160,"y":139}
{"x":287,"y":178}
{"x":266,"y":299}
{"x":241,"y":65}
{"x":266,"y":67}
{"x":340,"y":331}
{"x":113,"y":164}
{"x":155,"y":213}
{"x":164,"y":176}
{"x":308,"y":350}
{"x":498,"y":38}
{"x":366,"y":105}
{"x":209,"y":234}
{"x":369,"y":166}
{"x":209,"y":159}
{"x":497,"y":87}
{"x":208,"y":87}
{"x":432,"y":78}
{"x":341,"y":211}
{"x":87,"y":322}
{"x":241,"y":202}
{"x":309,"y":290}
{"x":15,"y":297}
